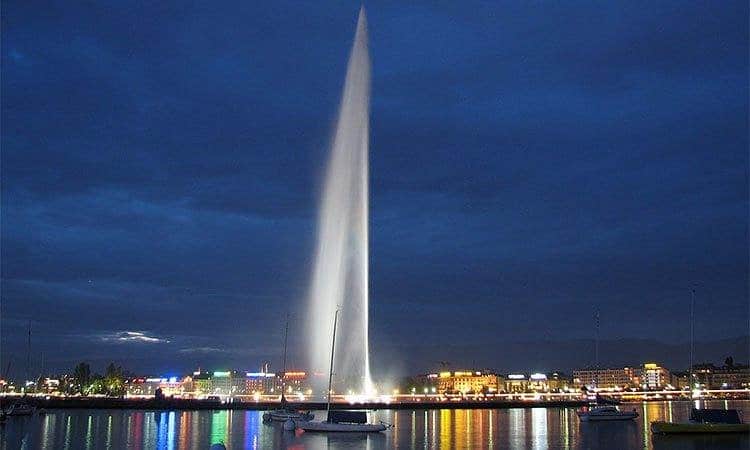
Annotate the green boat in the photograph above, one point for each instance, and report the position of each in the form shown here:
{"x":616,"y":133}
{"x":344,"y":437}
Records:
{"x":705,"y":421}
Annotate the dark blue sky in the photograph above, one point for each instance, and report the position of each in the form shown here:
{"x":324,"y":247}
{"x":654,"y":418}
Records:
{"x":530,"y":162}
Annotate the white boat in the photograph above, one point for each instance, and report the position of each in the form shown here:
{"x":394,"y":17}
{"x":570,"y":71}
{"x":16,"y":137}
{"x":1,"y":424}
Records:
{"x":20,"y":409}
{"x":337,"y":421}
{"x":605,"y":413}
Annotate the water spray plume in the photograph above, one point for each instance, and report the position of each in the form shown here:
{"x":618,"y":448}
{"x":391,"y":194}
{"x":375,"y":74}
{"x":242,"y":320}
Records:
{"x":340,"y":274}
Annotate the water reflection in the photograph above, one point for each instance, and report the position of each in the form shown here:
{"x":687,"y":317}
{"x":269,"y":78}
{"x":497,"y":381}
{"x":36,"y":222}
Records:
{"x":538,"y":428}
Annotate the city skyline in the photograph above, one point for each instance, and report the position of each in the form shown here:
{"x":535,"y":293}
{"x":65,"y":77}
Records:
{"x":165,"y":203}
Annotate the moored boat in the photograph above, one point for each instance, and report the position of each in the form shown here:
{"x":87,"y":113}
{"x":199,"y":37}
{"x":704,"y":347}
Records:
{"x":706,"y":421}
{"x":605,"y":413}
{"x":337,"y":420}
{"x":343,"y":421}
{"x":284,"y":414}
{"x":20,"y":408}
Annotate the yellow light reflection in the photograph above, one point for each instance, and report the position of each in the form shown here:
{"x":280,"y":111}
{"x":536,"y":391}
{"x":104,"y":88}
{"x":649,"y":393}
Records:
{"x":446,"y":435}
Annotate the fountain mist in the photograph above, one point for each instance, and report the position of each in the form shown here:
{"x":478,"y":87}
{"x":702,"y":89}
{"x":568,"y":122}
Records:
{"x":340,"y":274}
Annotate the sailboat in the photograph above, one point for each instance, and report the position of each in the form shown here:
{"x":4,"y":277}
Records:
{"x":704,"y":421}
{"x":599,"y":410}
{"x":285,"y":412}
{"x":337,"y":421}
{"x":22,"y":407}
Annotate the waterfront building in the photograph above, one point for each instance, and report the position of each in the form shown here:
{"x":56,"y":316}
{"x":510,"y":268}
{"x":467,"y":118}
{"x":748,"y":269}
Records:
{"x":187,"y":385}
{"x":610,"y":378}
{"x":728,"y":376}
{"x":50,"y":385}
{"x":736,"y":376}
{"x":538,"y":382}
{"x":147,"y":386}
{"x":680,"y":380}
{"x":654,"y":377}
{"x":219,"y":382}
{"x":558,"y":382}
{"x":296,"y":382}
{"x":201,"y":383}
{"x":516,"y":383}
{"x":135,"y":387}
{"x":227,"y":383}
{"x":262,"y":383}
{"x":466,"y":382}
{"x":541,"y":382}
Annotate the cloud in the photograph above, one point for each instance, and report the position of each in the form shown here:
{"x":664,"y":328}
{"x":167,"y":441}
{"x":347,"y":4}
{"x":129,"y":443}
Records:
{"x":137,"y":337}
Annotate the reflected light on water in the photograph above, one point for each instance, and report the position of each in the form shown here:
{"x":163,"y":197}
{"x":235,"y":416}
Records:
{"x":48,"y":430}
{"x":491,"y":426}
{"x":538,"y":428}
{"x":517,"y":429}
{"x":218,"y":426}
{"x":184,"y":429}
{"x":109,"y":431}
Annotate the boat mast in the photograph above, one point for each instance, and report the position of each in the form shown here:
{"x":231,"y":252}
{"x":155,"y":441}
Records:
{"x":596,"y":352}
{"x":28,"y":358}
{"x":692,"y":339}
{"x":330,"y":372}
{"x":283,"y":376}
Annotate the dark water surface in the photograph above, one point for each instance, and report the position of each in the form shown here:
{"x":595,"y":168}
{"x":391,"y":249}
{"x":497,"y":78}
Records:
{"x":535,"y":428}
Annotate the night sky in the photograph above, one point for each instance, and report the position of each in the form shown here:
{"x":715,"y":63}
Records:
{"x":530,"y":162}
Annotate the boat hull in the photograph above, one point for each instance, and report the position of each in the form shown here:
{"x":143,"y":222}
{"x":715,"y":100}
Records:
{"x":283,"y":416}
{"x":607,"y":418}
{"x":701,"y":428}
{"x":21,"y":410}
{"x":328,"y":427}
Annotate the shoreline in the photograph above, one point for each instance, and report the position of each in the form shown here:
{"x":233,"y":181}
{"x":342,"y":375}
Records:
{"x":192,"y":404}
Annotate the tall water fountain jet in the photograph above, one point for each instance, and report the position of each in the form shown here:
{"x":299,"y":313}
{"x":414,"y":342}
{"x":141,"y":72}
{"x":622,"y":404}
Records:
{"x":340,"y":274}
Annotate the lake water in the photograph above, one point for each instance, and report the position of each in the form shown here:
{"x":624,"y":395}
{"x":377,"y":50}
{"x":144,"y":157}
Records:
{"x":534,"y":428}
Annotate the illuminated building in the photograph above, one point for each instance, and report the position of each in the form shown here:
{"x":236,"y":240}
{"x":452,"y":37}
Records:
{"x":187,"y":385}
{"x":617,"y":378}
{"x":557,"y":382}
{"x":262,"y":383}
{"x":296,"y":382}
{"x":142,"y":386}
{"x":729,"y":376}
{"x":516,"y":383}
{"x":226,"y":383}
{"x":201,"y":383}
{"x":654,"y":377}
{"x":467,"y":382}
{"x":680,"y":380}
{"x":735,"y":377}
{"x":50,"y":385}
{"x":135,"y":387}
{"x":538,"y":382}
{"x":421,"y":382}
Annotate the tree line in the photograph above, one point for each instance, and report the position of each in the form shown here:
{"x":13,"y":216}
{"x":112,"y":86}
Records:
{"x":84,"y":382}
